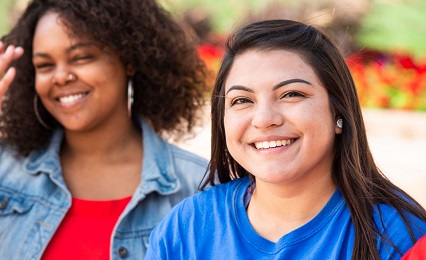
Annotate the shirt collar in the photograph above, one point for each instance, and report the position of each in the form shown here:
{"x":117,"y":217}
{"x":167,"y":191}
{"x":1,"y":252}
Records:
{"x":158,"y":171}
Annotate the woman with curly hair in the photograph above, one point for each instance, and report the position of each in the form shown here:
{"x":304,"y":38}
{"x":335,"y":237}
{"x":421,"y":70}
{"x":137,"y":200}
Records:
{"x":90,"y":90}
{"x":290,"y":154}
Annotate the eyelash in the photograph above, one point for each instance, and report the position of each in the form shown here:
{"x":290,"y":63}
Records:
{"x":75,"y":59}
{"x":291,"y":94}
{"x":82,"y":57}
{"x":42,"y":66}
{"x":240,"y":100}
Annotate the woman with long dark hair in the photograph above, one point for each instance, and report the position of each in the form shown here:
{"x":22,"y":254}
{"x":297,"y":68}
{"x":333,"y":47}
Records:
{"x":290,"y":152}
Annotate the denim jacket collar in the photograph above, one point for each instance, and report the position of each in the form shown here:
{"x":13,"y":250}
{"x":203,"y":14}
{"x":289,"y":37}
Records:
{"x":157,"y":166}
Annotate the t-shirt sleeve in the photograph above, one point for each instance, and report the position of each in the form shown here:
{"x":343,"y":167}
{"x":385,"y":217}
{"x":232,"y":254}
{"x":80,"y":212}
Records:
{"x":417,"y":252}
{"x":166,"y":237}
{"x":397,"y":232}
{"x":155,"y":245}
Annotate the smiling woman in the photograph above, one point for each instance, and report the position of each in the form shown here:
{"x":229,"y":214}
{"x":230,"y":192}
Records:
{"x":292,"y":171}
{"x":282,"y":101}
{"x":67,"y":81}
{"x":89,"y":88}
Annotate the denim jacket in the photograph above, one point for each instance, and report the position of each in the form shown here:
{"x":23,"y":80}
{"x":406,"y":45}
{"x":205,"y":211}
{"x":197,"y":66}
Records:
{"x":34,"y":198}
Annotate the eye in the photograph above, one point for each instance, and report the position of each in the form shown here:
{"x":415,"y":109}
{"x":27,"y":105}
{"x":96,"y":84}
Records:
{"x":82,"y":58}
{"x":45,"y":66}
{"x":292,"y":94}
{"x":240,"y":100}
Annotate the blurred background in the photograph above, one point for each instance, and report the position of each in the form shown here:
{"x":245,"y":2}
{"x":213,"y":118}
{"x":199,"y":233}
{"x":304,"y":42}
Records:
{"x":384,"y":42}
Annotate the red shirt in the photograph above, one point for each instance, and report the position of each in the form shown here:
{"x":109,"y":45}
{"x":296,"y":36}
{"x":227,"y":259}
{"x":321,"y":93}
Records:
{"x":85,"y":232}
{"x":418,"y":251}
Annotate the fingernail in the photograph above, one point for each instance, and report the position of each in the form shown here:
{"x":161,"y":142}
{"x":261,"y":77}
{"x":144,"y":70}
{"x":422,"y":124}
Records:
{"x":19,"y":50}
{"x":9,"y":49}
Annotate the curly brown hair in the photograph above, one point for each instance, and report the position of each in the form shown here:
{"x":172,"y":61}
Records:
{"x":169,"y":76}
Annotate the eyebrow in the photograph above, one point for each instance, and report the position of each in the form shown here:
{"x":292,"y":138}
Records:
{"x":277,"y":86}
{"x":290,"y":81}
{"x":70,"y":49}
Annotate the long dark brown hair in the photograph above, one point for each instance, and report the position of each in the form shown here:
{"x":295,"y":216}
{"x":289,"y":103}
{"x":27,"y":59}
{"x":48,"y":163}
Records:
{"x":169,"y":76}
{"x":354,"y":171}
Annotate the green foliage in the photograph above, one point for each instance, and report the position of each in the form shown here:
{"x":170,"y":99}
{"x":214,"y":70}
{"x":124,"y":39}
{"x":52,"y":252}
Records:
{"x":395,"y":25}
{"x":223,"y":14}
{"x":6,"y":11}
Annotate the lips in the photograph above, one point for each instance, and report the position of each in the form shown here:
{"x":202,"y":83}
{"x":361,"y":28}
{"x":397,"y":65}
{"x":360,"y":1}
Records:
{"x":71,"y":98}
{"x":273,"y":144}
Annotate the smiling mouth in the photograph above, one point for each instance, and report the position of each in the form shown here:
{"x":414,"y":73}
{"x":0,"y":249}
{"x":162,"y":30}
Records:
{"x":273,"y":144}
{"x":71,"y":98}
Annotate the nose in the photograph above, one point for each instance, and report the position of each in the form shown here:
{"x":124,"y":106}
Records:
{"x":266,"y":116}
{"x":63,"y":76}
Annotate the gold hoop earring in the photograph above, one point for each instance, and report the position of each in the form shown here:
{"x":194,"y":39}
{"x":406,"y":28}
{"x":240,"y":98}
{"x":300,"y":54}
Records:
{"x":130,"y":94}
{"x":37,"y":114}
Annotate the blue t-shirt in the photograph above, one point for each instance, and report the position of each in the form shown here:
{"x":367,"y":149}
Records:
{"x":214,"y":225}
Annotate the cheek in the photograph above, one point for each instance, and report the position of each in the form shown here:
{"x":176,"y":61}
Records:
{"x":321,"y":125}
{"x":315,"y":118}
{"x":42,"y":85}
{"x":231,"y":128}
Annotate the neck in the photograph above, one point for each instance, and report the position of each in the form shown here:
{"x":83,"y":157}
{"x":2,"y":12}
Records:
{"x":103,"y":142}
{"x":103,"y":164}
{"x":286,"y":208}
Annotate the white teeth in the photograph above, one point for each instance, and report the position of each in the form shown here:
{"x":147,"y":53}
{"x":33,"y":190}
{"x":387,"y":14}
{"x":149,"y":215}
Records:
{"x":70,"y":99}
{"x":272,"y":144}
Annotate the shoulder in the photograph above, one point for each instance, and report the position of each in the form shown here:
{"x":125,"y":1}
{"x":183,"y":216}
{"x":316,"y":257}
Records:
{"x":11,"y":164}
{"x":201,"y":205}
{"x":214,"y":198}
{"x":388,"y":219}
{"x":185,"y":158}
{"x":164,"y":151}
{"x":29,"y":175}
{"x":188,"y":168}
{"x":209,"y":211}
{"x":393,"y":225}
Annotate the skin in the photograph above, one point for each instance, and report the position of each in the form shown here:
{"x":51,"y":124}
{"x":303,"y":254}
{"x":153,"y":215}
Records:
{"x":6,"y":57}
{"x":99,"y":160}
{"x":274,"y":96}
{"x":98,"y":101}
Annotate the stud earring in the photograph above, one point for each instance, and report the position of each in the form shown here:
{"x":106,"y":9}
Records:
{"x":37,"y":114}
{"x":130,"y":94}
{"x":339,"y":123}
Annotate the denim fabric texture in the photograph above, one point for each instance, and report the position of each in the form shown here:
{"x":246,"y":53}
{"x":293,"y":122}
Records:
{"x":34,"y":198}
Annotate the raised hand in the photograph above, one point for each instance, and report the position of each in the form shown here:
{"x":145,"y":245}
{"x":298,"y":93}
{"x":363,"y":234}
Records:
{"x":6,"y":57}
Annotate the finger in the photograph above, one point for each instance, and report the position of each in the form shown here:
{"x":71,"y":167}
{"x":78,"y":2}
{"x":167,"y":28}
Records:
{"x":6,"y":81}
{"x":18,"y":52}
{"x":6,"y":58}
{"x":11,"y":53}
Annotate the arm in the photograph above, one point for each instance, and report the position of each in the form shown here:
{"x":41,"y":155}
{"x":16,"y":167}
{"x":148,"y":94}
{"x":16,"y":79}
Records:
{"x":154,"y":246}
{"x":6,"y":57}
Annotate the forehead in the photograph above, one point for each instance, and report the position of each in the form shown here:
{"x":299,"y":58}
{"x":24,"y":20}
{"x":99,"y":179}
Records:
{"x":257,"y":67}
{"x":51,"y":28}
